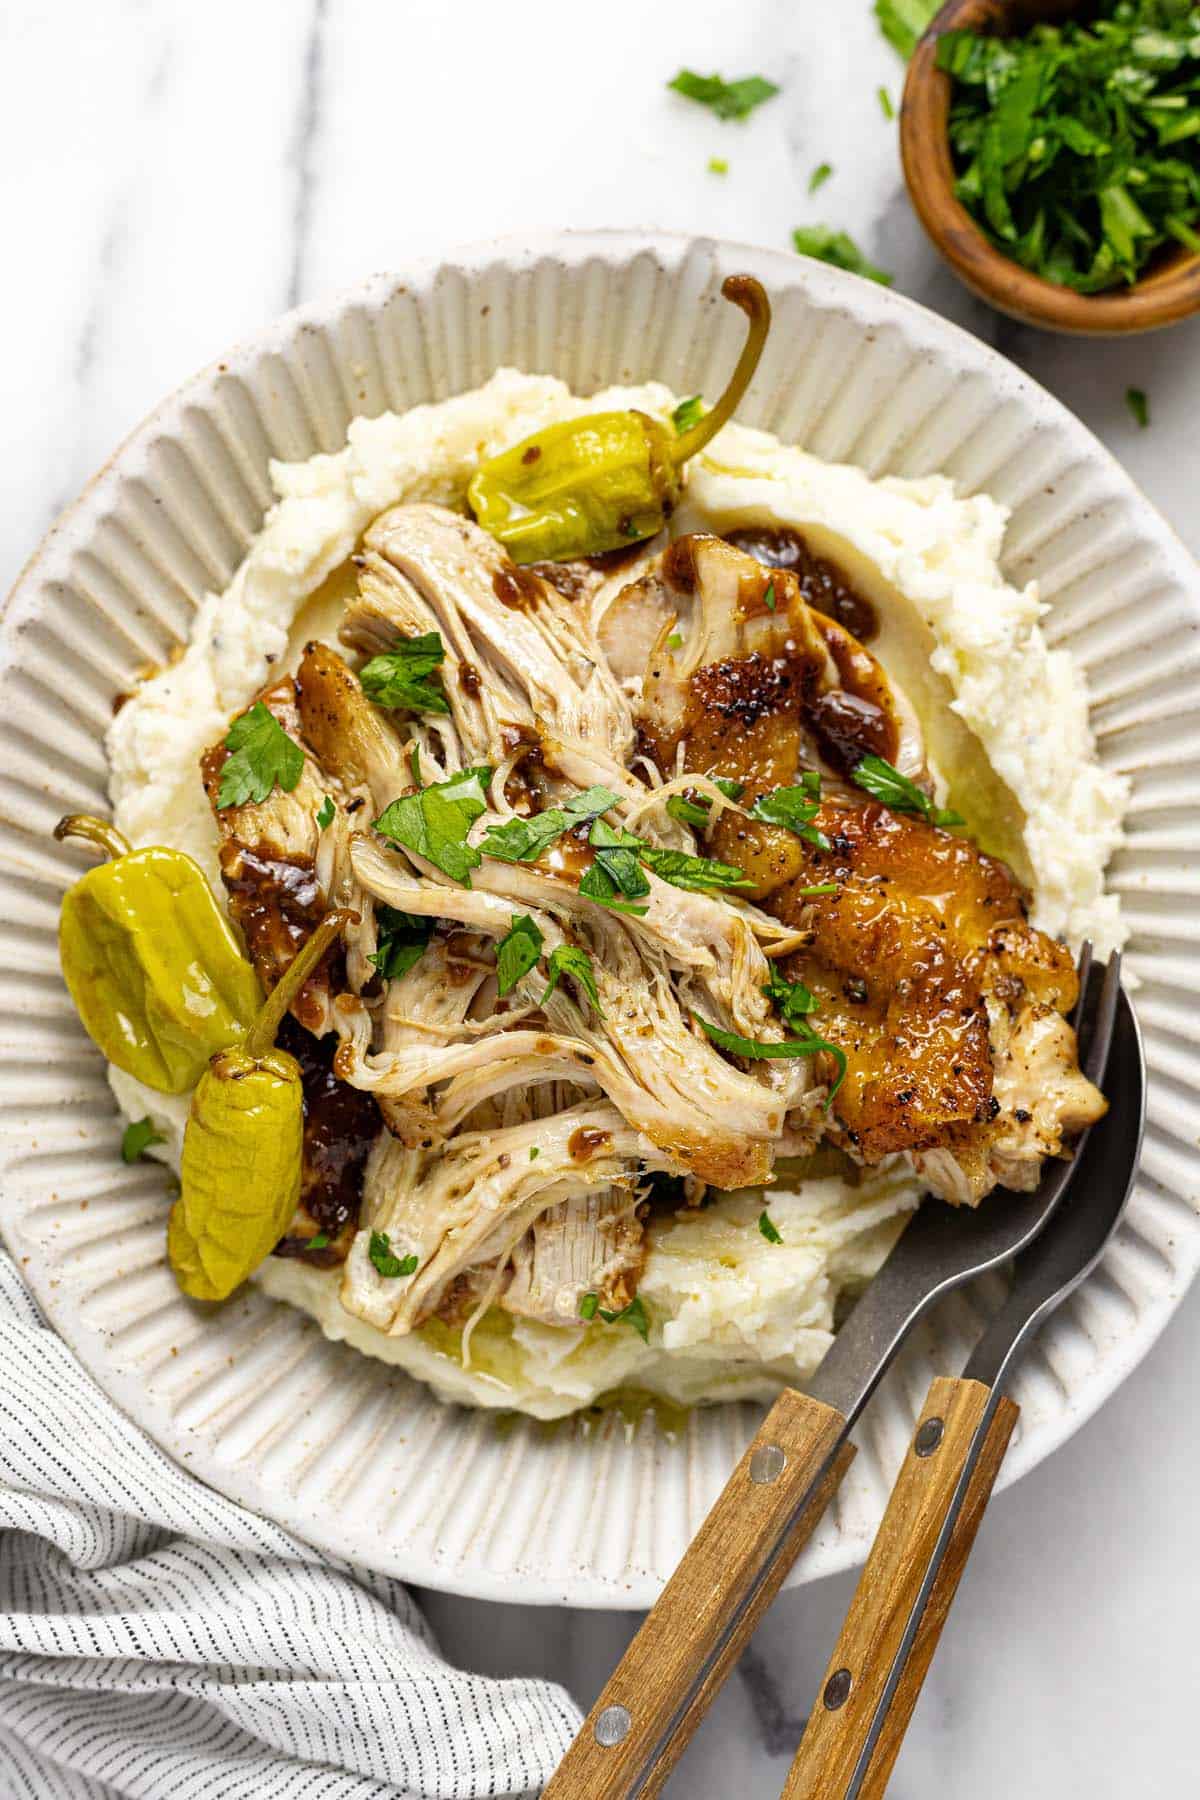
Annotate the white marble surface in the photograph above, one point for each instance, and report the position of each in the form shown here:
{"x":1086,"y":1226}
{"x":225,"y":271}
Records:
{"x":173,"y":175}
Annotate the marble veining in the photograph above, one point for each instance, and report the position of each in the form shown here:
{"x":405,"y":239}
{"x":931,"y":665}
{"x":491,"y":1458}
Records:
{"x":175,"y":176}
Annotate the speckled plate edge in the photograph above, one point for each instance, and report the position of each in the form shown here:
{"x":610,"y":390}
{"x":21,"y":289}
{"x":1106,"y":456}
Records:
{"x":344,"y":1452}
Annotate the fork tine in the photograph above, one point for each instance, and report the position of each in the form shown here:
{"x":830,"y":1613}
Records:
{"x":1095,"y":1059}
{"x":1083,"y":969}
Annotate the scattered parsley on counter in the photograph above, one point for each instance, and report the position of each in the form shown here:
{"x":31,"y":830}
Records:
{"x":886,"y":784}
{"x":819,"y":176}
{"x":717,"y":165}
{"x":1138,"y":405}
{"x":435,"y":821}
{"x":137,"y":1139}
{"x":769,"y":1229}
{"x":401,"y":940}
{"x":885,"y":103}
{"x":728,"y":99}
{"x":384,"y":1260}
{"x":262,"y":756}
{"x":407,"y":677}
{"x":1075,"y":145}
{"x":839,"y":249}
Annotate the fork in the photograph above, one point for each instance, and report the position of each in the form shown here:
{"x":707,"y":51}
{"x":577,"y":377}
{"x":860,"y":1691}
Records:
{"x":768,"y":1509}
{"x":895,"y":1620}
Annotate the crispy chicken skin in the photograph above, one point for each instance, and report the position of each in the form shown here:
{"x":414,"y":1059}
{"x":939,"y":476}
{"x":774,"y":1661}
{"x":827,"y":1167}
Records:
{"x":925,"y":939}
{"x":925,"y":968}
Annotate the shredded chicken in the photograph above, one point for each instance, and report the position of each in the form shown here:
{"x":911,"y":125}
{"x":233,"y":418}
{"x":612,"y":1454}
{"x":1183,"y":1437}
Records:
{"x":519,"y":1128}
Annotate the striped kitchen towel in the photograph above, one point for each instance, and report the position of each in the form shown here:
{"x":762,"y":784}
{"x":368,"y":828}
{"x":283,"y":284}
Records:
{"x":157,"y":1641}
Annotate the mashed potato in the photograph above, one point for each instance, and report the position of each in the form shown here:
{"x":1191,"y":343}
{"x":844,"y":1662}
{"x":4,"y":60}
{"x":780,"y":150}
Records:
{"x":1006,"y":724}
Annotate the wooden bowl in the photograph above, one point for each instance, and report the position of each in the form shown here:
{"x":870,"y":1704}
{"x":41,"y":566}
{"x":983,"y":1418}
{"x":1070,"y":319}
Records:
{"x":1170,"y":289}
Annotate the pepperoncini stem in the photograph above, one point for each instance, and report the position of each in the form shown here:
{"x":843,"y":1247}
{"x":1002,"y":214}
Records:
{"x":751,"y":296}
{"x":97,"y":831}
{"x":261,"y":1036}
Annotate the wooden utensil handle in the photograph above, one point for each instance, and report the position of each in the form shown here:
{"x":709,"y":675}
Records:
{"x":730,"y":1572}
{"x":857,"y":1674}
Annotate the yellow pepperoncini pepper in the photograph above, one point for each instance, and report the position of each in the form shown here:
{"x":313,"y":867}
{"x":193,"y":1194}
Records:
{"x":243,"y":1146}
{"x":593,"y":484}
{"x":152,"y":965}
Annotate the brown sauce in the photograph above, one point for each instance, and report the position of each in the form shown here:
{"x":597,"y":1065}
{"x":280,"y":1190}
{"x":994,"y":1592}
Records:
{"x":822,"y":583}
{"x":679,"y":565}
{"x":468,"y":679}
{"x":340,"y":1125}
{"x":585,"y":1143}
{"x":855,"y":719}
{"x":517,"y":588}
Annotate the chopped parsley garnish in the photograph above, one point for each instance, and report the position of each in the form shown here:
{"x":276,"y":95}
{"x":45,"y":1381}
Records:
{"x":262,"y":756}
{"x":732,"y":790}
{"x":675,"y":641}
{"x":768,"y":1228}
{"x":534,"y":1153}
{"x":325,"y":815}
{"x":806,"y":1043}
{"x":414,"y":763}
{"x":885,"y":103}
{"x":616,"y":868}
{"x":904,"y":22}
{"x":688,"y":812}
{"x":688,"y":413}
{"x":1138,"y":405}
{"x":822,"y":887}
{"x":695,"y":874}
{"x":524,"y":840}
{"x":401,"y":939}
{"x":517,"y":952}
{"x":839,"y":249}
{"x":819,"y":176}
{"x":634,"y":1314}
{"x":717,"y":165}
{"x":320,"y":1241}
{"x":407,"y":677}
{"x":588,"y":1306}
{"x":435,"y":821}
{"x":1075,"y":144}
{"x":385,"y":1261}
{"x":769,"y":597}
{"x":794,"y":808}
{"x":137,"y":1139}
{"x":568,"y":959}
{"x":791,"y":999}
{"x":884,"y":783}
{"x":728,"y":99}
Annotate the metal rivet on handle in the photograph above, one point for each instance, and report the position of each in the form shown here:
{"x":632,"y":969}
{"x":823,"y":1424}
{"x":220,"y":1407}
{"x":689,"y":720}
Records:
{"x":837,"y":1689}
{"x":767,"y":1464}
{"x":612,"y":1726}
{"x":929,"y":1437}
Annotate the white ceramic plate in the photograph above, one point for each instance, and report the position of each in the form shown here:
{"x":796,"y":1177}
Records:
{"x":353,"y":1456}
